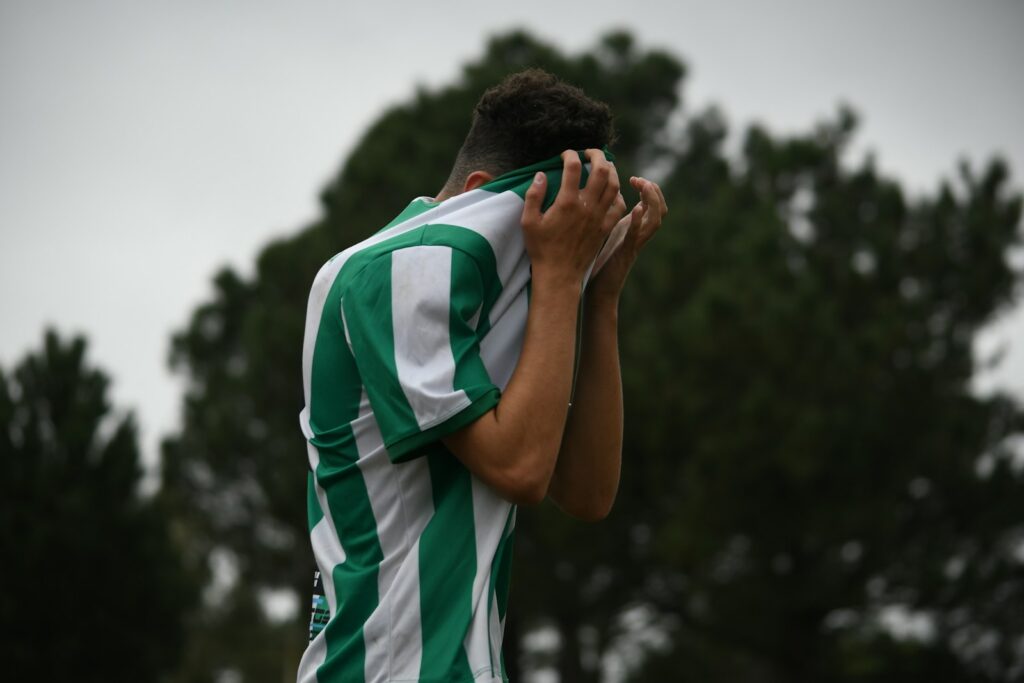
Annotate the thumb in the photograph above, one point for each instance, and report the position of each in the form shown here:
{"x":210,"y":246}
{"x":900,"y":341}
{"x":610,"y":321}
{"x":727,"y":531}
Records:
{"x":534,"y":199}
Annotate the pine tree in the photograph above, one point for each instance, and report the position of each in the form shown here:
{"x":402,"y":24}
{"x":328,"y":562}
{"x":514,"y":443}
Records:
{"x":94,"y":588}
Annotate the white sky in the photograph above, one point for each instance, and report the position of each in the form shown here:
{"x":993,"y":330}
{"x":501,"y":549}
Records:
{"x":145,"y":144}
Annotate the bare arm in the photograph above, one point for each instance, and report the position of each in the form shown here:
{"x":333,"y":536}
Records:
{"x":586,"y":477}
{"x":514,"y":447}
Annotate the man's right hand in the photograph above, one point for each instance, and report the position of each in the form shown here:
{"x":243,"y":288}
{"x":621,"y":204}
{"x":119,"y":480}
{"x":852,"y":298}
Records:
{"x":563,"y":241}
{"x":513,"y":448}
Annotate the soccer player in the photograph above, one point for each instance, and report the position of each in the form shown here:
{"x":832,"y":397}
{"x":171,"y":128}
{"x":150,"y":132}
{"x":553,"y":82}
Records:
{"x":453,"y":369}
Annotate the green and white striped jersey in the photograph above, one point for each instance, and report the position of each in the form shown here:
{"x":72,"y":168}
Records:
{"x":411,"y":335}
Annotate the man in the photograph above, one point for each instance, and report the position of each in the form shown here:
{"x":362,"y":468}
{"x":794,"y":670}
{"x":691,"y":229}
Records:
{"x":439,"y":365}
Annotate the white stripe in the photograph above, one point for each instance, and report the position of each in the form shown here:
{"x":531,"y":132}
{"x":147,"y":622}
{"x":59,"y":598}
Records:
{"x":403,"y":605}
{"x":497,"y":631}
{"x":392,"y":633}
{"x":329,"y":553}
{"x":314,"y":310}
{"x":404,"y":594}
{"x":420,"y":302}
{"x":327,"y":548}
{"x":500,"y":349}
{"x":489,"y":515}
{"x":312,"y":659}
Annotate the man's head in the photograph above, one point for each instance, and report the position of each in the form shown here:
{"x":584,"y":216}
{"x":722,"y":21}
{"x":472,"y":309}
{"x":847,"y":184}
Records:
{"x":528,"y":117}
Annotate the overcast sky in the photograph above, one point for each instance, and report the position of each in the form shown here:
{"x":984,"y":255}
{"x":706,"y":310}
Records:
{"x":145,"y":144}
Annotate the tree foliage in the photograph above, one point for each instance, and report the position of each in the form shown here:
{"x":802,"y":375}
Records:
{"x":94,"y":590}
{"x":804,"y":455}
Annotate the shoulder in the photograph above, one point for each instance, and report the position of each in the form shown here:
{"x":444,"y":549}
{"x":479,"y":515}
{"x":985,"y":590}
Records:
{"x":445,"y":254}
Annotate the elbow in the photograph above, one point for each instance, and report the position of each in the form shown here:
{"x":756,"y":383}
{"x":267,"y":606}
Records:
{"x":594,"y":514}
{"x":527,"y":495}
{"x":585,"y":501}
{"x":589,"y":511}
{"x":527,"y":489}
{"x":526,"y":485}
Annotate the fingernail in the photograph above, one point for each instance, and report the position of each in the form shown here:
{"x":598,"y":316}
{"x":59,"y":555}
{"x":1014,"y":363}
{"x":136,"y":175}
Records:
{"x":538,"y":178}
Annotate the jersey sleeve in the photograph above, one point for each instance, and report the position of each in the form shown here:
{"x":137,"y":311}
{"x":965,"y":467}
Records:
{"x":410,"y":318}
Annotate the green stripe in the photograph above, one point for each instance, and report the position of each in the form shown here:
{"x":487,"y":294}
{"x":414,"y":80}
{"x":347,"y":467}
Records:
{"x":368,"y":319}
{"x":475,"y":280}
{"x":500,"y":570}
{"x":334,"y":402}
{"x":519,"y":180}
{"x":313,"y":512}
{"x":355,"y":579}
{"x":500,"y":574}
{"x":447,"y":569}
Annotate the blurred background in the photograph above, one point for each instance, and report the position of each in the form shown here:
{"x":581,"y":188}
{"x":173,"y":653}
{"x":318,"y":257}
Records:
{"x":823,"y":350}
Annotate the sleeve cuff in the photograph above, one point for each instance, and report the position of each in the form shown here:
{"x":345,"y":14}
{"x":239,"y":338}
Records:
{"x":407,"y":448}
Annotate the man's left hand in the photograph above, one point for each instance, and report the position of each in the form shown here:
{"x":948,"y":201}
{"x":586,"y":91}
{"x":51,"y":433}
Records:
{"x":640,"y":225}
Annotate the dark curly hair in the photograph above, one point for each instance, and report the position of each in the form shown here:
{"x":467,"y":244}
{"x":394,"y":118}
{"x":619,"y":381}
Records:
{"x":530,"y":116}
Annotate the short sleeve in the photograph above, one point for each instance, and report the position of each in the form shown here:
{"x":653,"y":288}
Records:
{"x":410,"y":317}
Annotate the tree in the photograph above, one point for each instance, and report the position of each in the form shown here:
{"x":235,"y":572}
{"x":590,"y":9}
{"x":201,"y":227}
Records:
{"x":94,"y":590}
{"x":815,"y":459}
{"x":801,"y":447}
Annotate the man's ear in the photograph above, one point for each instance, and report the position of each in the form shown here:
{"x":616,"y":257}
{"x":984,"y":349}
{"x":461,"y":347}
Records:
{"x":476,"y":179}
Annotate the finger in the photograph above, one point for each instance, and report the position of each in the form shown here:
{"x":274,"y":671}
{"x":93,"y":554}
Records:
{"x":611,"y":191}
{"x":619,"y":206}
{"x":641,"y":183}
{"x":637,"y":183}
{"x":615,"y":212}
{"x":651,"y":197}
{"x":636,"y":216}
{"x":534,"y":198}
{"x":653,"y":212}
{"x":664,"y":204}
{"x":597,"y":182}
{"x":633,"y":221}
{"x":571,"y":169}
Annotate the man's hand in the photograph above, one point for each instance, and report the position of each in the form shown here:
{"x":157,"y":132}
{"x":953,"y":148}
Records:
{"x":586,"y":477}
{"x":563,"y":241}
{"x":643,"y":221}
{"x":513,"y":448}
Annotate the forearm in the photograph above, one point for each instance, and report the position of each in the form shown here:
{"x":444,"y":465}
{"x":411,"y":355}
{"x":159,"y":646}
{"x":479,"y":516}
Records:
{"x":520,"y":438}
{"x":586,"y":476}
